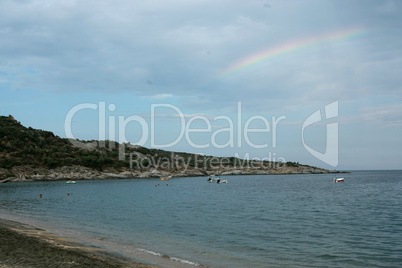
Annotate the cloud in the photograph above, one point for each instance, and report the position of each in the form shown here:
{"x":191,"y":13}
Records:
{"x":390,"y":115}
{"x":161,"y":96}
{"x":179,"y":48}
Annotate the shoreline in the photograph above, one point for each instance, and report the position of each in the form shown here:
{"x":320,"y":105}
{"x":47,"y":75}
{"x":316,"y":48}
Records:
{"x":29,"y":174}
{"x":44,"y":245}
{"x":24,"y":245}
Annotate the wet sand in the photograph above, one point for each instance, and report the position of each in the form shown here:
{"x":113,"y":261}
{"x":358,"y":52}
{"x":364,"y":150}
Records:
{"x":23,"y":245}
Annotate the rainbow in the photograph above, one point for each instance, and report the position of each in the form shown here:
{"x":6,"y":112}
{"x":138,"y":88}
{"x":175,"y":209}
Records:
{"x":290,"y":47}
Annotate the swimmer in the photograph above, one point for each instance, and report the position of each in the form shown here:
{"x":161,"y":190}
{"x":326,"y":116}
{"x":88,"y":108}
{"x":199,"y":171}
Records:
{"x":40,"y":196}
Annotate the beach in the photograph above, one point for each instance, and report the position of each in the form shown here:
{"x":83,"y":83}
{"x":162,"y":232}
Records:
{"x":22,"y":245}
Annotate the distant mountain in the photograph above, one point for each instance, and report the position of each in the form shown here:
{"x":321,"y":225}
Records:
{"x":32,"y":154}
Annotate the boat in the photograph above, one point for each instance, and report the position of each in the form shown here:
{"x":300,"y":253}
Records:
{"x":211,"y":178}
{"x":165,"y":178}
{"x":221,"y":181}
{"x":70,"y":182}
{"x":338,"y":179}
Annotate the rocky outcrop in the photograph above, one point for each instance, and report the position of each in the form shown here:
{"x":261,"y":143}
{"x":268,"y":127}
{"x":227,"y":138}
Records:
{"x":29,"y":154}
{"x":27,"y":173}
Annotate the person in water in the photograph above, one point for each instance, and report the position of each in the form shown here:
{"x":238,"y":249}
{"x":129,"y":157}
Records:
{"x":218,"y":181}
{"x":209,"y":179}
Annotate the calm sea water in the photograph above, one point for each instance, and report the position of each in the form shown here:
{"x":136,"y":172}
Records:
{"x":253,"y":221}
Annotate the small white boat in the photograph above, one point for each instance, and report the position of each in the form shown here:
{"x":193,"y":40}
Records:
{"x":338,"y":179}
{"x":221,"y":181}
{"x":70,"y":182}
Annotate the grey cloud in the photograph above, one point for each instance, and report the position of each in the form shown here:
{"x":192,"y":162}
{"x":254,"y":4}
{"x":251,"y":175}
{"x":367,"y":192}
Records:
{"x":182,"y":46}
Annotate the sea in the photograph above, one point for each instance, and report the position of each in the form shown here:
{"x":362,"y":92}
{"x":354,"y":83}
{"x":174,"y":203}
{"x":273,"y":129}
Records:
{"x":251,"y":221}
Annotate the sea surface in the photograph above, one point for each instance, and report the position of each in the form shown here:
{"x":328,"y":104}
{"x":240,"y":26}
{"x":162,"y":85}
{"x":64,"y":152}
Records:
{"x":252,"y":221}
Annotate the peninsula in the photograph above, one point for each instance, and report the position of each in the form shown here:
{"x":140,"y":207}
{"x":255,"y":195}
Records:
{"x":28,"y":154}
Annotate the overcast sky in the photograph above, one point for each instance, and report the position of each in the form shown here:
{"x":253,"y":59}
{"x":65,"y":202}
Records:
{"x":277,"y":58}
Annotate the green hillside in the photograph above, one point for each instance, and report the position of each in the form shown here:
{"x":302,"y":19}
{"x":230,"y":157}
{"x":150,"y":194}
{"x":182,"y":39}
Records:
{"x":21,"y":146}
{"x":27,"y":146}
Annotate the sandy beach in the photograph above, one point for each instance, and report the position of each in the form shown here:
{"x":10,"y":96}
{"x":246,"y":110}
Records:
{"x":23,"y":245}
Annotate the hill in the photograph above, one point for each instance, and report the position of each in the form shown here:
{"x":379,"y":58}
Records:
{"x":32,"y":154}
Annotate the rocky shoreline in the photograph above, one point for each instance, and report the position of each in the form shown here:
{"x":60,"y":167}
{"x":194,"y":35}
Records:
{"x":27,"y":173}
{"x":29,"y":154}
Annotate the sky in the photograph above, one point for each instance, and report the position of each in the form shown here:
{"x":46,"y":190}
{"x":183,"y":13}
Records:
{"x":315,"y":82}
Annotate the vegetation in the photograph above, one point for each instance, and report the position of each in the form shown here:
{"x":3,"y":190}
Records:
{"x":27,"y":146}
{"x":21,"y":146}
{"x":292,"y":164}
